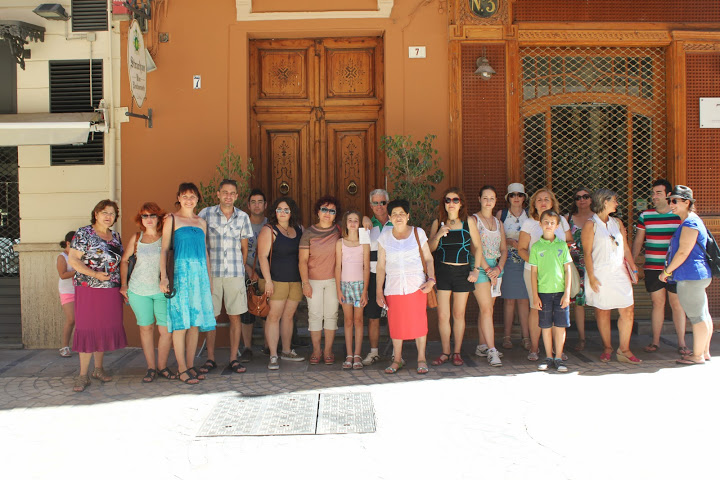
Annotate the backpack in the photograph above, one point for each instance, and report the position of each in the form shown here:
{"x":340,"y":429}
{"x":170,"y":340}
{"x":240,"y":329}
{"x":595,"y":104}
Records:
{"x":712,"y":254}
{"x":504,"y":214}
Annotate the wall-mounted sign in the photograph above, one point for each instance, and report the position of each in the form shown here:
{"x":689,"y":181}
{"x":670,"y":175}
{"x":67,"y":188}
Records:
{"x":416,"y":52}
{"x":710,"y":112}
{"x":484,"y":8}
{"x":137,"y":66}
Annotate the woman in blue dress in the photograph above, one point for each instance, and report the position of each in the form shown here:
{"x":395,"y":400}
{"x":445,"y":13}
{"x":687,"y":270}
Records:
{"x":190,"y":308}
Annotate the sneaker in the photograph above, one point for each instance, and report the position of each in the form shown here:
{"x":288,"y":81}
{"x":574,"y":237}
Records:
{"x":482,"y":351}
{"x":291,"y":356}
{"x":533,"y":356}
{"x":370,"y":359}
{"x":560,"y":366}
{"x":274,"y":364}
{"x":493,"y":357}
{"x":246,"y":355}
{"x":65,"y":352}
{"x":548,"y":363}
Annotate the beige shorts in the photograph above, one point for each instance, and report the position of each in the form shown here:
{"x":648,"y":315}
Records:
{"x":233,"y":291}
{"x":284,"y":291}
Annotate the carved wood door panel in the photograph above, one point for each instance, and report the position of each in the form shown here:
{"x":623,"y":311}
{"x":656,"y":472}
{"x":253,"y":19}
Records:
{"x":316,"y":118}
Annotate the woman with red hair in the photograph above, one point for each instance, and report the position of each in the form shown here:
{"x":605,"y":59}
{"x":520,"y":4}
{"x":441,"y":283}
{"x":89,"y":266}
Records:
{"x":143,"y":292}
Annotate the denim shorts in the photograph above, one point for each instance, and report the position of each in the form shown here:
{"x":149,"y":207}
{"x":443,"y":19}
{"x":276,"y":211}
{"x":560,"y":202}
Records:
{"x":552,"y":314}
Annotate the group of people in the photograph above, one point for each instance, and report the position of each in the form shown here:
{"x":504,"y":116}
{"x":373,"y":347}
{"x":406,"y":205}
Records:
{"x":188,"y":265}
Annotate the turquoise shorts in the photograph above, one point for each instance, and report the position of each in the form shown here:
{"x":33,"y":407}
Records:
{"x":482,"y":276}
{"x":149,"y":308}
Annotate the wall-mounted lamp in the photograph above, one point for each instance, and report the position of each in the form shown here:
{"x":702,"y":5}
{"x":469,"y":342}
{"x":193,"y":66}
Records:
{"x":52,"y":11}
{"x":484,"y":70}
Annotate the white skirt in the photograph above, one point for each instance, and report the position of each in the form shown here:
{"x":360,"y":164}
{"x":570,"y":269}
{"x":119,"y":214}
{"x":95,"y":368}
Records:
{"x":616,"y":291}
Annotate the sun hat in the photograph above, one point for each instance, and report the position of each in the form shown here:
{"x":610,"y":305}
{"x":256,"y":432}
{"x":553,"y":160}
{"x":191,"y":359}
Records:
{"x":683,"y":192}
{"x":515,"y":188}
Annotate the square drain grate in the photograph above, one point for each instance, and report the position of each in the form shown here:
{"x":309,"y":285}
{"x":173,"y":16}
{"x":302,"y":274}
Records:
{"x":291,"y":414}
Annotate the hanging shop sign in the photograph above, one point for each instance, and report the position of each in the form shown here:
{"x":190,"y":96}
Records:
{"x":137,"y":63}
{"x":484,"y":8}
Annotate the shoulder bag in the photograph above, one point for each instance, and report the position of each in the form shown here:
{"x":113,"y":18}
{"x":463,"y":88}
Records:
{"x":258,"y":302}
{"x":431,"y":296}
{"x":133,"y":258}
{"x":170,"y":263}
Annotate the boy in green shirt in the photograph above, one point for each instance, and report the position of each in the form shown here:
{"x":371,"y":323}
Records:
{"x":550,"y":278}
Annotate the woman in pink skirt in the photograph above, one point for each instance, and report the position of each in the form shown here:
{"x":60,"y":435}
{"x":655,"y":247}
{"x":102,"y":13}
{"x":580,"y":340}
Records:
{"x":95,"y":254}
{"x":400,"y":268}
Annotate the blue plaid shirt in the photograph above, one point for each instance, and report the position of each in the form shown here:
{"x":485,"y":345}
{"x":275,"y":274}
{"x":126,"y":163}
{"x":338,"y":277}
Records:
{"x":225,"y":240}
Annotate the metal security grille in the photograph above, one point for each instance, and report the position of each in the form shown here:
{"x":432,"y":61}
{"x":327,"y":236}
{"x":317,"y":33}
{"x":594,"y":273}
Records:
{"x":697,"y":11}
{"x":89,"y":15}
{"x":9,"y":212}
{"x":594,"y":117}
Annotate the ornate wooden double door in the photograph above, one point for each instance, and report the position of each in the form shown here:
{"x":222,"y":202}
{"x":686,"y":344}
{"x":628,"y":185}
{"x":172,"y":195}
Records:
{"x":316,"y":119}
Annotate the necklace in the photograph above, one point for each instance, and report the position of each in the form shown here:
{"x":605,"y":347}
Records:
{"x":487,"y":223}
{"x":452,"y":222}
{"x":286,"y":230}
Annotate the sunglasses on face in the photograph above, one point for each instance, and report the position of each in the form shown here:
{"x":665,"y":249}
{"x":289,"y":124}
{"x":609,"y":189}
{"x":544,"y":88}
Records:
{"x":582,"y":197}
{"x":514,"y":195}
{"x":381,"y":202}
{"x":675,"y":201}
{"x":331,"y":211}
{"x":454,"y":200}
{"x":286,"y":211}
{"x":148,"y":215}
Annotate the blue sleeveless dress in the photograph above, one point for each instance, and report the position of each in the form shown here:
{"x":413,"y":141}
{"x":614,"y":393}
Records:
{"x":192,"y":304}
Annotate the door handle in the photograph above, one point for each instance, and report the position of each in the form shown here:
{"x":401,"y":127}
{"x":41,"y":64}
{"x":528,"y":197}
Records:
{"x":284,"y":188}
{"x":352,"y":187}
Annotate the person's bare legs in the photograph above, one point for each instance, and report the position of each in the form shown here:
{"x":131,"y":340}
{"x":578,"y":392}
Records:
{"x":458,"y":313}
{"x":148,"y":345}
{"x":358,"y":322}
{"x":443,"y":310}
{"x":679,"y":319}
{"x":84,"y":362}
{"x":534,"y":327}
{"x":315,"y":338}
{"x":420,"y":342}
{"x":508,"y":316}
{"x":547,"y":338}
{"x":272,"y":325}
{"x":210,"y":344}
{"x":374,"y":332}
{"x":191,"y":342}
{"x":69,"y":311}
{"x":348,"y":316}
{"x":485,"y":316}
{"x":397,"y":353}
{"x":246,"y":330}
{"x":559,"y":338}
{"x":329,"y":339}
{"x":580,"y":322}
{"x":625,"y":324}
{"x":602,"y":317}
{"x":235,"y":332}
{"x":286,"y":325}
{"x":657,"y":317}
{"x":164,"y":343}
{"x":523,"y":309}
{"x":179,"y":340}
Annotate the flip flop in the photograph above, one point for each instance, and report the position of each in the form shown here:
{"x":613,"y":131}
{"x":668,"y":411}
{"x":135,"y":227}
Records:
{"x":652,"y":348}
{"x":684,"y":351}
{"x":687,"y":361}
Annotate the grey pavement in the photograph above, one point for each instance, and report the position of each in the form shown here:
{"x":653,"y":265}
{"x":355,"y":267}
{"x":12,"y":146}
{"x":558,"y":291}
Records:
{"x":599,"y":420}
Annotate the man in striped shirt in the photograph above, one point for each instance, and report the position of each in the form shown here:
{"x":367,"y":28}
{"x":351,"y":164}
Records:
{"x":655,"y":227}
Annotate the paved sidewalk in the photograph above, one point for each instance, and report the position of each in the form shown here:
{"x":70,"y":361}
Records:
{"x":597,"y":421}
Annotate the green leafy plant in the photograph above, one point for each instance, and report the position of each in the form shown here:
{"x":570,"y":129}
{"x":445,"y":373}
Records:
{"x":413,"y":172}
{"x":231,"y":166}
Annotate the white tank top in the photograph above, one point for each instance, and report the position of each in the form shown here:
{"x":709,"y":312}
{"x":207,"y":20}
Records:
{"x":65,"y":285}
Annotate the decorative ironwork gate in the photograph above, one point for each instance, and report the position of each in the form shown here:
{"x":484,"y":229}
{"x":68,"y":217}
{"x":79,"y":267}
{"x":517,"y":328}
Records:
{"x":10,"y":324}
{"x":594,"y":117}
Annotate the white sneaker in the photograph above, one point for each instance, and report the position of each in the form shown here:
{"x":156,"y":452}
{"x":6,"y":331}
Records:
{"x":370,"y":359}
{"x":482,"y":351}
{"x":274,"y":364}
{"x":291,"y":356}
{"x":493,"y":357}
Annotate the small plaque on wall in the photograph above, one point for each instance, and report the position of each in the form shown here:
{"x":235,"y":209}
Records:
{"x":710,"y":112}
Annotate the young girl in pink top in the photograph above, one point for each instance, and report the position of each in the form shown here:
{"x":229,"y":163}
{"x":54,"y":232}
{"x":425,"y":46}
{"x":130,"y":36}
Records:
{"x":67,"y":293}
{"x":352,"y":273}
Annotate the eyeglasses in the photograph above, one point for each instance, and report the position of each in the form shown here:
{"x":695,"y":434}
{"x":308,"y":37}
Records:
{"x":614,"y":240}
{"x":108,"y":214}
{"x":331,"y":211}
{"x":381,"y":202}
{"x":145,"y":216}
{"x":286,"y":211}
{"x":675,"y":201}
{"x":582,"y":197}
{"x":398,"y":214}
{"x":513,"y":195}
{"x":454,"y":200}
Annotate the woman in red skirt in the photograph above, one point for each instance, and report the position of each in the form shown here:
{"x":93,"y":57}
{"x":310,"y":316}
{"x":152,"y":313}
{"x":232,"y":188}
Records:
{"x":400,"y":268}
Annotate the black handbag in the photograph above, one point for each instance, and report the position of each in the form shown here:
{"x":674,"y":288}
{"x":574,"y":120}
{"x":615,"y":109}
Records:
{"x":133,"y":258}
{"x":170,"y":263}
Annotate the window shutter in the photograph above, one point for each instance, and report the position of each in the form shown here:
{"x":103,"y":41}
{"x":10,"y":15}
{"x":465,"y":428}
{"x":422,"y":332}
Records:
{"x":89,"y":15}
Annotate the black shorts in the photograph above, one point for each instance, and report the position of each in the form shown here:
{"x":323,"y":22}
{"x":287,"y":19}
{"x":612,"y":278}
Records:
{"x":653,"y":283}
{"x":372,"y":309}
{"x":453,"y":277}
{"x":247,"y":318}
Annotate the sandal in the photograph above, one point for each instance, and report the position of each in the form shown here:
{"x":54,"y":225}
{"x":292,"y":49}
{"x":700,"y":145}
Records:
{"x":329,"y":358}
{"x":652,"y":348}
{"x":207,"y":366}
{"x":347,"y":364}
{"x":315,"y":358}
{"x":236,"y":367}
{"x":81,"y":383}
{"x":422,"y":368}
{"x":623,"y":358}
{"x":390,"y":370}
{"x":605,"y":357}
{"x":166,"y":373}
{"x":150,"y":375}
{"x":507,"y":343}
{"x":191,"y":380}
{"x":357,"y":364}
{"x":195,"y":373}
{"x":100,"y":374}
{"x":440,"y":360}
{"x":580,"y":345}
{"x":457,"y":360}
{"x":684,"y":351}
{"x":526,"y":343}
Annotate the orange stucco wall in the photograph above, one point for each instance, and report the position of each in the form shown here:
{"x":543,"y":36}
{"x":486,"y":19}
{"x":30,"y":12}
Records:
{"x":193,"y":127}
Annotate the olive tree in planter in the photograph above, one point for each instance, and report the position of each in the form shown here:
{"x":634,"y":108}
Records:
{"x":231,"y":167}
{"x":413,"y":172}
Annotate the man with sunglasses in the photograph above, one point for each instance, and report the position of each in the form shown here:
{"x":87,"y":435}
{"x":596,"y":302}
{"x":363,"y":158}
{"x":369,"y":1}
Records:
{"x":379,"y":199}
{"x":655,"y":228}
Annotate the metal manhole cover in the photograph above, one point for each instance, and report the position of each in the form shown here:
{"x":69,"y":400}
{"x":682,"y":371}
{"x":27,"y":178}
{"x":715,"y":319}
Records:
{"x":345,"y":413}
{"x":267,"y":415}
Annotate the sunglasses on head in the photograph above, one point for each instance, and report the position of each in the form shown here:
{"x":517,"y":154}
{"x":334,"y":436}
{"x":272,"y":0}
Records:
{"x":582,"y":197}
{"x":148,"y":215}
{"x":614,"y":240}
{"x":513,"y":195}
{"x":454,"y":200}
{"x":381,"y":202}
{"x":331,"y":211}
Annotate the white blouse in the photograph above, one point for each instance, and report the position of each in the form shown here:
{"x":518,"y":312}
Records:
{"x":403,"y":267}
